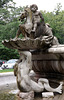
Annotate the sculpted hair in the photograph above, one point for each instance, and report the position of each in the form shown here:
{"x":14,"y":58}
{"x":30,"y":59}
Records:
{"x":33,"y":6}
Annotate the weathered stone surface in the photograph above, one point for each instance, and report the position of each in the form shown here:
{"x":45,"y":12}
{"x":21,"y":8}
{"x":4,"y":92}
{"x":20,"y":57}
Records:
{"x":58,"y":49}
{"x":33,"y":44}
{"x":27,"y":44}
{"x":49,"y":65}
{"x":27,"y":96}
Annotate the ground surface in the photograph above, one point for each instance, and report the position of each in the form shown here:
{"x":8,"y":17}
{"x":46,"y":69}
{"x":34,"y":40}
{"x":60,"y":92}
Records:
{"x":7,"y":81}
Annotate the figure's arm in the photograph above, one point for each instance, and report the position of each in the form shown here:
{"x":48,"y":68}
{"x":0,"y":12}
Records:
{"x":15,"y":69}
{"x":41,"y":16}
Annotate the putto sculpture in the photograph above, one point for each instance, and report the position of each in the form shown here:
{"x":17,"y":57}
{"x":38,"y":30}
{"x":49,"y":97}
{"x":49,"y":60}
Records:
{"x":40,"y":56}
{"x":36,"y":17}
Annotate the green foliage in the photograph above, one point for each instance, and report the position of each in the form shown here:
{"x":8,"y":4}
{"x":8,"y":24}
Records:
{"x":6,"y":70}
{"x":58,"y":8}
{"x":56,"y":21}
{"x":9,"y":22}
{"x":9,"y":30}
{"x":7,"y":96}
{"x":7,"y":54}
{"x":3,"y":2}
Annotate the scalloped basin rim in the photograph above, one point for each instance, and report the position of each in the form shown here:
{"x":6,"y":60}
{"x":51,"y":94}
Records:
{"x":32,"y":44}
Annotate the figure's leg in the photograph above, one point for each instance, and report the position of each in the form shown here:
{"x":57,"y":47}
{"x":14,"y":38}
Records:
{"x":29,"y":84}
{"x":34,"y":28}
{"x":48,"y":88}
{"x":37,"y":87}
{"x":21,"y":29}
{"x":58,"y":89}
{"x":18,"y":32}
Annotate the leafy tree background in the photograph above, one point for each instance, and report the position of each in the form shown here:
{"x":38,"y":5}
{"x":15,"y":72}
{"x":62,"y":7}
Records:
{"x":9,"y":22}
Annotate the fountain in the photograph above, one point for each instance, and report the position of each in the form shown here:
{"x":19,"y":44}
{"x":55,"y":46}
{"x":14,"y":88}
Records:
{"x":40,"y":68}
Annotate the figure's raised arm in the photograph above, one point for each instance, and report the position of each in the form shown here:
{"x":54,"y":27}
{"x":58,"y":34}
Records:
{"x":41,"y":16}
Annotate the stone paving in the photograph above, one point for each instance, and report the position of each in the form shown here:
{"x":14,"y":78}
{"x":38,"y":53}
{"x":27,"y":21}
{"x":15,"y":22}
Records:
{"x":7,"y":81}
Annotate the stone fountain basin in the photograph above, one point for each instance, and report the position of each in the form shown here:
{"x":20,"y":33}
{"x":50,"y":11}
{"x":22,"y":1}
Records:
{"x":47,"y":61}
{"x":32,"y":44}
{"x":25,"y":44}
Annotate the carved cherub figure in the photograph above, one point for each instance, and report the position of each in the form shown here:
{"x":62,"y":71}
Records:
{"x":36,"y":17}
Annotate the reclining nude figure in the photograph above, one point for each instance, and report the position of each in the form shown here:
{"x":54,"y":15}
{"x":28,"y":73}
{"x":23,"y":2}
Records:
{"x":25,"y":83}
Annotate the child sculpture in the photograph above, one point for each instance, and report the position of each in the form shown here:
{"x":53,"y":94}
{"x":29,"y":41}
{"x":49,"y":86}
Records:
{"x":36,"y":17}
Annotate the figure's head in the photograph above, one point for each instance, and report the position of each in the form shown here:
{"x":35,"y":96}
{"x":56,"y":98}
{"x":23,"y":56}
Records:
{"x":27,"y":10}
{"x":23,"y":15}
{"x":34,"y":7}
